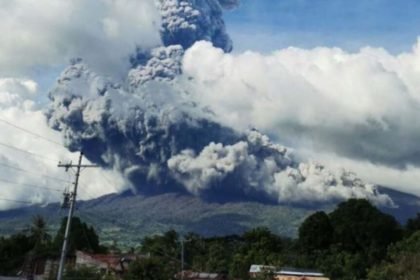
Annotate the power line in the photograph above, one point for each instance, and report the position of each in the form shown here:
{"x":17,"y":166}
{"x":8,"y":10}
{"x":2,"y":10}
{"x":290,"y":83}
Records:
{"x":30,"y":132}
{"x":26,"y":152}
{"x":30,"y":185}
{"x":17,"y":201}
{"x":30,"y":172}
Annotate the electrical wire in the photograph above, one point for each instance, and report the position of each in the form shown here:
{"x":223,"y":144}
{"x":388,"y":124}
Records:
{"x":26,"y":152}
{"x":18,"y":201}
{"x":30,"y":132}
{"x":30,"y":185}
{"x":34,"y":173}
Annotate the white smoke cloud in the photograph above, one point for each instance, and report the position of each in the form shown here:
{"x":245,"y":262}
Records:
{"x":18,"y":106}
{"x":164,"y":64}
{"x":47,"y":33}
{"x":405,"y":180}
{"x":212,"y":165}
{"x":362,"y":105}
{"x":270,"y":169}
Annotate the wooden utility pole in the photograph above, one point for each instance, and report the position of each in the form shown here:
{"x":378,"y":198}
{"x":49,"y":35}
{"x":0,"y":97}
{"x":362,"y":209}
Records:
{"x":182,"y":258}
{"x":73,"y":195}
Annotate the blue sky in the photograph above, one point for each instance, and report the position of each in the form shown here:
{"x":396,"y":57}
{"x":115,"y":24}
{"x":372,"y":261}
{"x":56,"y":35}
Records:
{"x":266,"y":25}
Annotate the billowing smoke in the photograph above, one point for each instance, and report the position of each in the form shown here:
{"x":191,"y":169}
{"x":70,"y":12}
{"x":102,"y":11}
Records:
{"x":185,"y":22}
{"x":257,"y":166}
{"x":163,"y":63}
{"x":151,"y":129}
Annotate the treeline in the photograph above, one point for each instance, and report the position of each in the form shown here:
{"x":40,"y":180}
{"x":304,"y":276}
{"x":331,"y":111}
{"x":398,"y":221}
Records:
{"x":355,"y":241}
{"x":24,"y":248}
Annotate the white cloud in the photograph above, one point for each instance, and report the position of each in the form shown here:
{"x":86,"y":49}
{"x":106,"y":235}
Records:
{"x":18,"y":107}
{"x":362,"y":105}
{"x":38,"y":33}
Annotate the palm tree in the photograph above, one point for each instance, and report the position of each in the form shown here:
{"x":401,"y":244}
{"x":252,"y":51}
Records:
{"x":38,"y":232}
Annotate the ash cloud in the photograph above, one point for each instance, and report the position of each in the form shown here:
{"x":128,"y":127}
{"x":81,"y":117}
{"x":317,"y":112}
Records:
{"x":152,"y":129}
{"x":185,"y":22}
{"x":257,"y":166}
{"x":164,"y":142}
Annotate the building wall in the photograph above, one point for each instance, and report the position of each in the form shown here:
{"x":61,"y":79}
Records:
{"x":288,"y":277}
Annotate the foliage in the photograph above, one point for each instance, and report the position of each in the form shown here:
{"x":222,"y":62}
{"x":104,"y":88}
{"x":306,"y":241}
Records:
{"x":316,"y":233}
{"x":348,"y":241}
{"x":361,"y":227}
{"x":403,"y":261}
{"x":162,"y":245}
{"x":13,"y":252}
{"x":148,"y":269}
{"x":355,"y":241}
{"x":413,"y":224}
{"x":82,"y":237}
{"x":24,"y":248}
{"x":82,"y":273}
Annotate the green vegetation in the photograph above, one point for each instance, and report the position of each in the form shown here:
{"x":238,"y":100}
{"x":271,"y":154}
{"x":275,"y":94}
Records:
{"x":27,"y":246}
{"x":82,"y":273}
{"x":149,"y":269}
{"x":127,"y":219}
{"x":82,"y":237}
{"x":355,"y":241}
{"x":351,"y":242}
{"x":402,"y":261}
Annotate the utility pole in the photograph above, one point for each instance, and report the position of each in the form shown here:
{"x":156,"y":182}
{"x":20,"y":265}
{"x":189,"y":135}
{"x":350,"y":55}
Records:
{"x":73,"y":195}
{"x":182,"y":257}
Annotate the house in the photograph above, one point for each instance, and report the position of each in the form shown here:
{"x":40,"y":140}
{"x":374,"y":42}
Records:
{"x":191,"y":275}
{"x":295,"y":274}
{"x":257,"y":269}
{"x":108,"y":263}
{"x":286,"y":273}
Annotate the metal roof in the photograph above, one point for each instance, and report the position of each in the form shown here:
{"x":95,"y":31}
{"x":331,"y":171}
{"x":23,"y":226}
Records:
{"x":255,"y":268}
{"x":300,"y":273}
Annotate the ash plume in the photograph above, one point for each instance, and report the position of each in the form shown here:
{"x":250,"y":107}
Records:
{"x":151,"y":129}
{"x":185,"y":22}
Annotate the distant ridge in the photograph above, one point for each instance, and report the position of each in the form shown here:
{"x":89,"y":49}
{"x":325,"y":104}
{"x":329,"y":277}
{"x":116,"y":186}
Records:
{"x":127,"y":218}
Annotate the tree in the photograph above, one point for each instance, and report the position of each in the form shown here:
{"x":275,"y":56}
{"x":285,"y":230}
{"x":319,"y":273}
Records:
{"x":361,"y":227}
{"x":82,"y":237}
{"x":239,"y":267}
{"x":403,"y":261}
{"x":315,"y":233}
{"x":261,"y":245}
{"x":13,"y":251}
{"x":162,"y":245}
{"x":361,"y":237}
{"x":218,"y":258}
{"x":339,"y":264}
{"x":39,"y":235}
{"x":413,"y":224}
{"x":165,"y":248}
{"x":82,"y":273}
{"x":148,"y":269}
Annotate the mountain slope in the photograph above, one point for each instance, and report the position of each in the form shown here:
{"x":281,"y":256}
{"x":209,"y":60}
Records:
{"x":126,"y":218}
